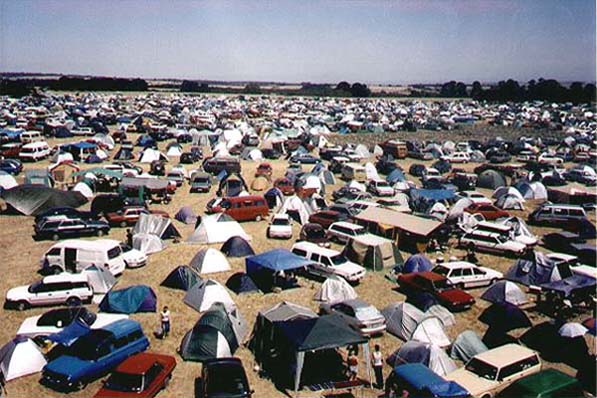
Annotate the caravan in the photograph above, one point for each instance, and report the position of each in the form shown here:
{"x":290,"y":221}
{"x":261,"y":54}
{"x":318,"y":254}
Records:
{"x":76,"y":255}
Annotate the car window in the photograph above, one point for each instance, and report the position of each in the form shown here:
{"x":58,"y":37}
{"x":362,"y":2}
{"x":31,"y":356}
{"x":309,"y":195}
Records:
{"x":135,"y":335}
{"x":477,"y":271}
{"x":315,"y":257}
{"x":559,"y":212}
{"x":467,"y":272}
{"x":121,"y":342}
{"x":54,"y":252}
{"x":325,"y":261}
{"x":299,"y":252}
{"x":518,"y":367}
{"x":456,"y":272}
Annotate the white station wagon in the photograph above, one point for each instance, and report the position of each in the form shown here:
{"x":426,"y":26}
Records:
{"x":467,"y":275}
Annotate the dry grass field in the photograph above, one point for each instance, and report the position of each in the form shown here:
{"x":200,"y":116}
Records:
{"x":19,"y":264}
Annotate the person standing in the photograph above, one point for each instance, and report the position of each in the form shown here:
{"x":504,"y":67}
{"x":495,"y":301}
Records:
{"x":165,"y":318}
{"x":129,"y":237}
{"x":378,"y":366}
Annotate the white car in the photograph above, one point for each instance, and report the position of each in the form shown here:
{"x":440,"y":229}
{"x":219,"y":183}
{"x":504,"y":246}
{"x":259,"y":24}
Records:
{"x":380,"y":188}
{"x":492,"y":242}
{"x":463,"y":274}
{"x":549,"y":159}
{"x":64,"y":288}
{"x":55,"y":320}
{"x":476,"y":197}
{"x":133,"y":258}
{"x":361,"y":316}
{"x":280,"y":227}
{"x":457,"y":157}
{"x":328,"y":262}
{"x":343,"y":231}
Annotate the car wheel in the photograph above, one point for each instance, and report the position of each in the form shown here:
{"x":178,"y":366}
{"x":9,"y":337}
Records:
{"x":258,"y":218}
{"x":123,"y":224}
{"x":55,"y":236}
{"x":460,"y":286}
{"x":166,"y":382}
{"x":267,"y":234}
{"x":22,"y":305}
{"x":100,"y":232}
{"x":73,"y":302}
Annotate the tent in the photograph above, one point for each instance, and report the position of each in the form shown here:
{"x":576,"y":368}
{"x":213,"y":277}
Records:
{"x":431,"y":384}
{"x":417,"y":263}
{"x":373,"y":252}
{"x":572,"y":329}
{"x":429,"y":355}
{"x":581,"y":285}
{"x":208,"y":261}
{"x":531,"y":190}
{"x":313,"y":334}
{"x":148,"y":243}
{"x":186,"y":216}
{"x":503,"y":191}
{"x":442,"y":313}
{"x":182,"y":277}
{"x":296,"y":208}
{"x":138,"y":298}
{"x":32,"y":200}
{"x":395,"y":176}
{"x":275,"y":260}
{"x":422,"y":300}
{"x":232,"y":185}
{"x":156,"y":225}
{"x":20,"y":357}
{"x":536,"y":270}
{"x":491,"y":179}
{"x":457,"y":209}
{"x":402,"y":319}
{"x":217,"y":228}
{"x":7,"y":181}
{"x":504,"y":317}
{"x":504,"y":292}
{"x":241,"y":283}
{"x":509,"y":202}
{"x":174,"y":150}
{"x":431,"y":330}
{"x":236,"y":246}
{"x":371,"y":172}
{"x":206,"y":292}
{"x":100,"y":279}
{"x":151,"y":155}
{"x":466,"y":346}
{"x":260,"y":183}
{"x":335,"y":289}
{"x":274,"y":197}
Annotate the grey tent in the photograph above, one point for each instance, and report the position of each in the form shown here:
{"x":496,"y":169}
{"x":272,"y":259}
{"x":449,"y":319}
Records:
{"x":537,"y":270}
{"x":504,"y":291}
{"x":216,"y":334}
{"x":402,"y":319}
{"x":100,"y":279}
{"x":206,"y":292}
{"x":32,"y":200}
{"x":237,"y":246}
{"x":156,"y":225}
{"x":182,"y":277}
{"x":491,"y":179}
{"x":186,"y":216}
{"x":373,"y":252}
{"x":429,"y":355}
{"x":509,"y":202}
{"x":466,"y":346}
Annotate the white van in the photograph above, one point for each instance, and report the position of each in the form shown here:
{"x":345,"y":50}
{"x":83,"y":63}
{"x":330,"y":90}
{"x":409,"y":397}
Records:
{"x":34,"y":151}
{"x":328,"y":262}
{"x":75,"y":255}
{"x":28,"y":137}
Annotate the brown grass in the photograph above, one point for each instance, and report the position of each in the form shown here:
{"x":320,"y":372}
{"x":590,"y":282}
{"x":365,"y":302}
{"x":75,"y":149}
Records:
{"x":20,"y":255}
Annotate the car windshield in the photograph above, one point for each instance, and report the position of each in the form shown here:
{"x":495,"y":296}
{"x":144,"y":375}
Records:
{"x":125,"y":382}
{"x":316,"y":233}
{"x":441,"y":284}
{"x":125,"y":248}
{"x":225,"y":382}
{"x":114,"y":252}
{"x":482,"y":369}
{"x":35,"y":286}
{"x":441,"y":270}
{"x":364,"y":313}
{"x":280,"y":221}
{"x":338,"y":259}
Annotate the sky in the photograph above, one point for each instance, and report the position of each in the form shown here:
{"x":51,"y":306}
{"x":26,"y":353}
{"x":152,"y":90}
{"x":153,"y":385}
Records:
{"x":399,"y":41}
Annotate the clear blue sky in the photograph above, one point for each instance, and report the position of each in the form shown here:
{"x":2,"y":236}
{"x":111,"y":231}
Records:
{"x":397,"y":41}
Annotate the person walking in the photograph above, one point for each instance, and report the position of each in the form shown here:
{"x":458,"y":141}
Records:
{"x":129,"y":237}
{"x":377,"y":361}
{"x":165,"y":318}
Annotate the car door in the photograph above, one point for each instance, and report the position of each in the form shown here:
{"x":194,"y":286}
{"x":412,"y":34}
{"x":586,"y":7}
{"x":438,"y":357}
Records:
{"x":456,"y":276}
{"x":467,"y":277}
{"x":318,"y":267}
{"x":51,"y":293}
{"x":481,"y":278}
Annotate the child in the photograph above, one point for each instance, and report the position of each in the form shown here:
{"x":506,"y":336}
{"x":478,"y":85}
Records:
{"x":165,"y":318}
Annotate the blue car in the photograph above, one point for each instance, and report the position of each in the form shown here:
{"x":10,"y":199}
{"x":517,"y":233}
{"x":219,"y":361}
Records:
{"x":94,"y":354}
{"x":417,"y":380}
{"x":11,"y":166}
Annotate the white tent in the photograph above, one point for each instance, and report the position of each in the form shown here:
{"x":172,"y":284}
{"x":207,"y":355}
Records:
{"x":256,"y":154}
{"x":334,"y":290}
{"x":150,"y":154}
{"x":362,"y":151}
{"x":357,"y":185}
{"x":206,"y":292}
{"x":7,"y":181}
{"x":442,"y":313}
{"x":371,"y":172}
{"x":501,"y":191}
{"x":296,"y":206}
{"x":20,"y":357}
{"x":174,"y":150}
{"x":377,"y":151}
{"x":209,"y":260}
{"x":100,"y":279}
{"x":431,"y":330}
{"x":61,"y":157}
{"x":148,"y":243}
{"x":435,"y":359}
{"x":402,"y":319}
{"x":509,"y":202}
{"x":457,"y":209}
{"x":217,"y":228}
{"x":439,"y":211}
{"x":84,"y":189}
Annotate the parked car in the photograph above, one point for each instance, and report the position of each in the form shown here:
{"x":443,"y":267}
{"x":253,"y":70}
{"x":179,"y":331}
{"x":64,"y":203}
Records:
{"x":142,"y":375}
{"x":240,"y":208}
{"x":67,"y":212}
{"x":64,"y":288}
{"x":439,"y":286}
{"x":129,"y":215}
{"x":285,"y":186}
{"x":126,"y":168}
{"x":325,"y":218}
{"x":346,"y":194}
{"x":75,"y":255}
{"x":305,"y":158}
{"x":343,"y":231}
{"x":476,"y":197}
{"x":492,"y":242}
{"x":314,"y":233}
{"x":53,"y":321}
{"x":11,"y":150}
{"x":457,"y":157}
{"x":177,"y":176}
{"x":269,"y":153}
{"x":548,"y":383}
{"x":34,"y":151}
{"x":11,"y":166}
{"x":280,"y":227}
{"x":358,"y":314}
{"x":466,"y":275}
{"x":94,"y":354}
{"x":215,"y":165}
{"x":499,"y":157}
{"x":489,"y":211}
{"x":328,"y":262}
{"x":582,"y":176}
{"x":489,"y":372}
{"x":420,"y":381}
{"x":562,"y":241}
{"x":550,"y":159}
{"x":133,"y":258}
{"x":380,"y":188}
{"x":557,"y":215}
{"x":58,"y":227}
{"x":201,"y":182}
{"x":344,"y":209}
{"x":224,"y":378}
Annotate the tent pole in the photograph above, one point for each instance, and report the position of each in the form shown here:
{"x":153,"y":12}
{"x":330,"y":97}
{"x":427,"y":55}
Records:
{"x":300,"y":360}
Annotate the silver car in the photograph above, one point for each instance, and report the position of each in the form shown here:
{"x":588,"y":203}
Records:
{"x":361,"y":316}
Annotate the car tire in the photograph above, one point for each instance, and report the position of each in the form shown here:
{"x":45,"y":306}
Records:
{"x":258,"y":217}
{"x":22,"y":305}
{"x":460,"y":286}
{"x":100,"y":232}
{"x":73,"y":302}
{"x":123,"y":224}
{"x":267,"y":235}
{"x":166,"y":382}
{"x":55,"y":237}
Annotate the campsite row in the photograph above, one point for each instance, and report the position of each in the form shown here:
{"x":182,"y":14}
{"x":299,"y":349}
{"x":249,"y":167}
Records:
{"x":433,"y":207}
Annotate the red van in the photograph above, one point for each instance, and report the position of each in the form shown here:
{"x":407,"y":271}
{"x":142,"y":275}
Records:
{"x":240,"y":208}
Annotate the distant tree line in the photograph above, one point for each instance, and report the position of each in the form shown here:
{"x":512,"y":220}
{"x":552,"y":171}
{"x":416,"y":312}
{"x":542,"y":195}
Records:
{"x":189,"y":86}
{"x":543,"y":89}
{"x":21,"y":87}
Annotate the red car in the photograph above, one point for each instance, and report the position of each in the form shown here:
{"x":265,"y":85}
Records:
{"x":285,"y":186}
{"x":325,"y":218}
{"x":430,"y":282}
{"x":11,"y":150}
{"x":130,"y":215}
{"x":142,"y":375}
{"x":490,"y":212}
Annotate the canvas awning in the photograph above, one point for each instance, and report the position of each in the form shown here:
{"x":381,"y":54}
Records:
{"x":405,"y":222}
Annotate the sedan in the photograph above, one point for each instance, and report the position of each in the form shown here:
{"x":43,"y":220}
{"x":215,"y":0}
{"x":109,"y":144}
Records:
{"x":142,"y":375}
{"x":280,"y":227}
{"x":464,"y":275}
{"x":305,"y":159}
{"x":359,"y":315}
{"x":489,"y":211}
{"x":224,"y":378}
{"x":325,"y":218}
{"x":11,"y":166}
